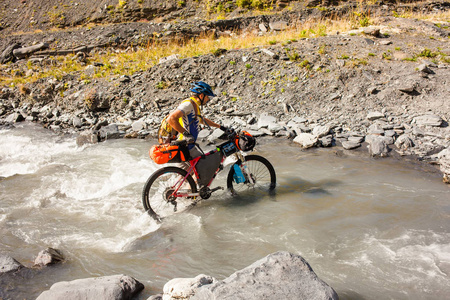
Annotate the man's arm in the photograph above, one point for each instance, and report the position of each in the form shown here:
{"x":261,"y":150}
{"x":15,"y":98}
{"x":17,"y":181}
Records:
{"x":211,"y":123}
{"x":173,"y":120}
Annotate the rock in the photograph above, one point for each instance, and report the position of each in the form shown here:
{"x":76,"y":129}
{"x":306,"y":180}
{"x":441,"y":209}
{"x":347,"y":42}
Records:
{"x":321,"y":131}
{"x":404,"y":142}
{"x":262,"y":27}
{"x":356,"y":139}
{"x":424,"y":68}
{"x":326,"y":141}
{"x":138,"y":125}
{"x":7,"y":54}
{"x":278,"y":26}
{"x":444,"y":161}
{"x":168,"y":58}
{"x":407,"y":88}
{"x":280,"y":275}
{"x":275,"y":127}
{"x":348,"y":145}
{"x":265,"y":120}
{"x":184,"y":288}
{"x":87,"y":137}
{"x":115,"y":287}
{"x":306,"y":140}
{"x":23,"y":52}
{"x":378,"y":146}
{"x":48,"y":256}
{"x":374,"y":115}
{"x":428,"y":120}
{"x":9,"y":264}
{"x":109,"y":132}
{"x":14,"y":118}
{"x":270,"y":53}
{"x":372,"y":31}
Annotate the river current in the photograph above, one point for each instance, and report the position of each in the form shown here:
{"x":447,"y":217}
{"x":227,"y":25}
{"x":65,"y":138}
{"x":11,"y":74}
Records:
{"x":370,"y":228}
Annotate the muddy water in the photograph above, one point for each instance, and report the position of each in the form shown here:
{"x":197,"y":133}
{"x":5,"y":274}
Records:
{"x":369,"y":228}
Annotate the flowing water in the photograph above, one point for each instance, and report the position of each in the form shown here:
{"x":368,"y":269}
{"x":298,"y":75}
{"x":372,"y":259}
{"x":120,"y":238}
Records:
{"x":372,"y":229}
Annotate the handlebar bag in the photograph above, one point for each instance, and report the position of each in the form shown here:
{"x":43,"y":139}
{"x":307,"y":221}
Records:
{"x":166,"y":153}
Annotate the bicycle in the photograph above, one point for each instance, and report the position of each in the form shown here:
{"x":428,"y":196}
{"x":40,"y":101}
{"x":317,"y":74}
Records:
{"x":173,"y":189}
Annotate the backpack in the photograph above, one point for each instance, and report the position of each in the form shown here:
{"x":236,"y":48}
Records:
{"x":166,"y":133}
{"x":162,"y":154}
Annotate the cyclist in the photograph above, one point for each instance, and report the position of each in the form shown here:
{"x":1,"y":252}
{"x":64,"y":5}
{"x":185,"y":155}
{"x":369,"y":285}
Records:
{"x":186,"y":119}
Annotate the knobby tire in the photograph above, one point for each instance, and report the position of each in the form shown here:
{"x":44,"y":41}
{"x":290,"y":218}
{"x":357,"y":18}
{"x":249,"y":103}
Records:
{"x":159,"y":186}
{"x":262,"y":173}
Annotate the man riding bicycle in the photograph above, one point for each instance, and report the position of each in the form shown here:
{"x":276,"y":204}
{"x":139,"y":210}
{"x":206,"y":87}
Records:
{"x":186,"y":119}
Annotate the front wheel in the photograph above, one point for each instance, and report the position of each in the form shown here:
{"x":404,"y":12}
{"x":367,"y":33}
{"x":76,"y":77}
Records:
{"x":157,"y":195}
{"x":261,"y":172}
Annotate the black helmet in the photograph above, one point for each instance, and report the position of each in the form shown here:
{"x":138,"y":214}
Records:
{"x":201,"y":87}
{"x":246,"y":142}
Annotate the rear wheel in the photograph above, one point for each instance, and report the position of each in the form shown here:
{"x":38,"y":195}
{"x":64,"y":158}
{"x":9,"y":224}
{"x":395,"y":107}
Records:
{"x":261,"y":172}
{"x":157,"y":194}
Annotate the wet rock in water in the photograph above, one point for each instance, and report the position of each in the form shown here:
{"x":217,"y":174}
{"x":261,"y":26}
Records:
{"x":277,"y":276}
{"x":9,"y":264}
{"x":48,"y":256}
{"x":185,"y":288}
{"x":428,"y":120}
{"x":444,"y":161}
{"x":306,"y":140}
{"x":115,"y":287}
{"x":87,"y":137}
{"x":109,"y":132}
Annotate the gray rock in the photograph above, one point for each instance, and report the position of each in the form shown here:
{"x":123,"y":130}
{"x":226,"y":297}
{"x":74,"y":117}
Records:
{"x":9,"y":264}
{"x":326,"y":141}
{"x":306,"y":140}
{"x":347,"y":145}
{"x":280,"y":275}
{"x":262,"y":27}
{"x":14,"y":118}
{"x":138,"y":125}
{"x":321,"y":130}
{"x":428,"y":120}
{"x":374,"y":115}
{"x":184,"y":288}
{"x":278,"y":26}
{"x":86,"y":137}
{"x":115,"y":287}
{"x":378,"y":146}
{"x":109,"y":132}
{"x":48,"y":256}
{"x":444,"y":161}
{"x":76,"y":122}
{"x":356,"y":139}
{"x":270,"y":53}
{"x":425,"y":69}
{"x":265,"y":120}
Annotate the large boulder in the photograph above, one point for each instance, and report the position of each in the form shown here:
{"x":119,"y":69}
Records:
{"x":115,"y":287}
{"x":281,"y":275}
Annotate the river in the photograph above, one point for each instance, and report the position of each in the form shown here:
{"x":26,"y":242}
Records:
{"x":370,"y":228}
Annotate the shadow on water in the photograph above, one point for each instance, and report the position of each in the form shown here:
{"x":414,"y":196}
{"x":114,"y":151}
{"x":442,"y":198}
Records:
{"x":286,"y":187}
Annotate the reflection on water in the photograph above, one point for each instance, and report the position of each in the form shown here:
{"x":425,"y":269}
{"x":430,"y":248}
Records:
{"x":367,"y":227}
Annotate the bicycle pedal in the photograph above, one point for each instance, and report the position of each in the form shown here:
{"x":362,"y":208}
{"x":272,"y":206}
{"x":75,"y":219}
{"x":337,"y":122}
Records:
{"x":217,"y":188}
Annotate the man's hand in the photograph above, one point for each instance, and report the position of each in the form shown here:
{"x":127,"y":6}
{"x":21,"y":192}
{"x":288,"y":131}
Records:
{"x":189,"y":138}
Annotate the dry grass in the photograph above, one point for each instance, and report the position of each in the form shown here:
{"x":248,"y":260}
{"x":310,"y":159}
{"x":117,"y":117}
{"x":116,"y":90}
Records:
{"x":128,"y":63}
